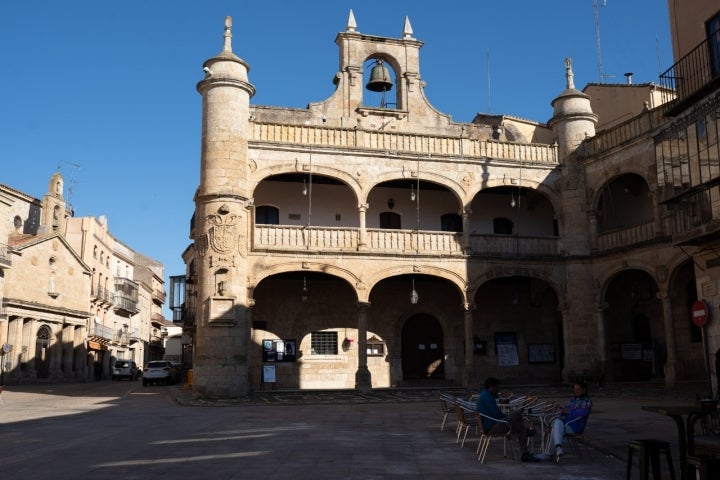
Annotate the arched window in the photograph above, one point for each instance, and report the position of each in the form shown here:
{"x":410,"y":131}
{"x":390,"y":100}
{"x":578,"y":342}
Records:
{"x":451,"y":222}
{"x":390,"y":220}
{"x":43,"y":337}
{"x":265,"y":214}
{"x":503,"y":226}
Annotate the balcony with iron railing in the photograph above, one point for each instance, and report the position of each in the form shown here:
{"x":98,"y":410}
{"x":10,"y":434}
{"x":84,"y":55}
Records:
{"x":125,"y":306}
{"x":134,"y":335}
{"x":692,"y":77}
{"x":100,"y":332}
{"x":695,"y":215}
{"x":4,"y":257}
{"x":102,"y":295}
{"x":158,"y":297}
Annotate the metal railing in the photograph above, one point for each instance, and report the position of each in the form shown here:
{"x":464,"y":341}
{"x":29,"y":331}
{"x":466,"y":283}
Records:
{"x":693,"y":74}
{"x":4,"y":257}
{"x":100,"y":331}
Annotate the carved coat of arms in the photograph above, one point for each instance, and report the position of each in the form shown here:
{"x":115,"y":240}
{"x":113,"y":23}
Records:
{"x":223,"y":234}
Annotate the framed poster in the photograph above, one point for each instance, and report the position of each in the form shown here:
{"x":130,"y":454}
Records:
{"x":506,"y":349}
{"x":279,"y":350}
{"x":541,"y":353}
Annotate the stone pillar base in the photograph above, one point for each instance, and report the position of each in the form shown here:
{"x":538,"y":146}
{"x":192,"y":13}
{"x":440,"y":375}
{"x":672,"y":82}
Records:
{"x":363,"y":382}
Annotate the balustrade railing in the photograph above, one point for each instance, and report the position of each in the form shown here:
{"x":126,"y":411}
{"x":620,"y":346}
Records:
{"x":514,"y":246}
{"x":623,"y":237}
{"x":398,"y":242}
{"x":408,"y":143}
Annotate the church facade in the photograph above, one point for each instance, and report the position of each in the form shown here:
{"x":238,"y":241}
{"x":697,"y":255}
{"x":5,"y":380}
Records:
{"x":370,"y":241}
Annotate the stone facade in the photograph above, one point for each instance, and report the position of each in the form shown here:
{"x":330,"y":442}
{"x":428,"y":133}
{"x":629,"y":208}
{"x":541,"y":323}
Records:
{"x":70,"y":292}
{"x":390,"y":245}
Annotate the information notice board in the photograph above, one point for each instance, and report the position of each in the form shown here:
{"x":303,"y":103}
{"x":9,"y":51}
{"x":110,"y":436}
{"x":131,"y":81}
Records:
{"x":268,"y":374}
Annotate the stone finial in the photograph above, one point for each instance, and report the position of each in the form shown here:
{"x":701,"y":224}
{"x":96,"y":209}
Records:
{"x":569,"y":73}
{"x":228,"y":34}
{"x":407,"y":29}
{"x":351,"y":23}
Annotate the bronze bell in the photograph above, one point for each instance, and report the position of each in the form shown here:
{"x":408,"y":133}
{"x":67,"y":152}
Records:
{"x":379,"y":78}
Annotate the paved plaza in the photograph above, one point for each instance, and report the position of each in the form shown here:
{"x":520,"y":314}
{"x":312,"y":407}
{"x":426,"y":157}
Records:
{"x":122,"y":430}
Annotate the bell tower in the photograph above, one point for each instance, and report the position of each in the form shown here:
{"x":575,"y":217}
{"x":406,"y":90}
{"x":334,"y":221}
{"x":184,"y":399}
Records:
{"x":222,"y":333}
{"x":54,"y":210}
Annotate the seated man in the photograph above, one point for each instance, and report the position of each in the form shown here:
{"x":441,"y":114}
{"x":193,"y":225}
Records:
{"x":487,"y":405}
{"x":573,"y":418}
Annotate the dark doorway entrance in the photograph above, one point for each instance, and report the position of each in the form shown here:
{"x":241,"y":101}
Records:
{"x":42,"y":343}
{"x":422,"y":348}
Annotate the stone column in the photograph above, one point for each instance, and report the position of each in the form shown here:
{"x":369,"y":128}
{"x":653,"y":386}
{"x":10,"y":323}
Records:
{"x":603,"y":361}
{"x":593,"y":230}
{"x":30,"y":336}
{"x":567,"y":340}
{"x":363,"y":380}
{"x":466,"y":229}
{"x":468,"y":333}
{"x":362,"y":233}
{"x":672,"y":367}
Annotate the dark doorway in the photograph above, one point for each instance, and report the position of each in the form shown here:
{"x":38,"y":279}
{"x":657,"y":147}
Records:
{"x":422,"y":348}
{"x":41,"y":352}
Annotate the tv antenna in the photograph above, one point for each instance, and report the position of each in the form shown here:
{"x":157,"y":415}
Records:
{"x":598,"y":49}
{"x":71,"y":181}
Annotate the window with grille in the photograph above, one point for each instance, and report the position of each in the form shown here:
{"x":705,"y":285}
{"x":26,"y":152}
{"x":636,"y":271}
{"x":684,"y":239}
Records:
{"x":323,"y":343}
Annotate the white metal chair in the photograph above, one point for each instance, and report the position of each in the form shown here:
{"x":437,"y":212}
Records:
{"x":447,"y":406}
{"x":503,"y":433}
{"x":466,"y":420}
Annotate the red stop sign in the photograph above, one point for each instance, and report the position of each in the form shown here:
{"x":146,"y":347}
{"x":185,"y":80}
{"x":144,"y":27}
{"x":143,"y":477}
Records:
{"x":699,"y":313}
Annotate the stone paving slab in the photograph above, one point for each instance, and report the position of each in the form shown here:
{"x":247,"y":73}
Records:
{"x":276,"y":435}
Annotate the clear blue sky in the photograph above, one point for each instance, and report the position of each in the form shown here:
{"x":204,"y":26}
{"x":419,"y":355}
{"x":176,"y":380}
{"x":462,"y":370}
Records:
{"x":106,"y":90}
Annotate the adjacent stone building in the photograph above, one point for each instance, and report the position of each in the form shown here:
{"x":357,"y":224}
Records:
{"x":371,"y":241}
{"x":74,"y":298}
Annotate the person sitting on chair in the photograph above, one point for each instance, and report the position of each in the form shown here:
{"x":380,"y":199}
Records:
{"x":573,"y":418}
{"x":487,"y":405}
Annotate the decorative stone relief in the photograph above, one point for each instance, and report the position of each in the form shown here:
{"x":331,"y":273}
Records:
{"x":224,"y":236}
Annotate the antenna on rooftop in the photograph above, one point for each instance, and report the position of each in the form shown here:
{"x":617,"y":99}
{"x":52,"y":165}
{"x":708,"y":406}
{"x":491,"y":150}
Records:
{"x":71,"y":181}
{"x":488,"y":80}
{"x":598,"y":49}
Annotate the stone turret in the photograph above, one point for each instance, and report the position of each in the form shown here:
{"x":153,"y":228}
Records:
{"x":221,"y":224}
{"x":573,"y":119}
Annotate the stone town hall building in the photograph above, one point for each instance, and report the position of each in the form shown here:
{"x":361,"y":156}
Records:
{"x":371,"y":241}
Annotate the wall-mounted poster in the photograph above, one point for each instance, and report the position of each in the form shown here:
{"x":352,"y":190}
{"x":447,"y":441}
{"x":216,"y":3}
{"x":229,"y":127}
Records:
{"x":506,"y":349}
{"x":541,"y":353}
{"x":279,"y":350}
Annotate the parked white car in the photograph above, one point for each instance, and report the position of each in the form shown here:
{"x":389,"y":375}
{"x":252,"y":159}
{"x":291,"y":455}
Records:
{"x":159,"y":371}
{"x":125,"y":369}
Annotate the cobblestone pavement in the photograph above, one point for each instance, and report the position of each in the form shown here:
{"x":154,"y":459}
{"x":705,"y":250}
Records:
{"x":121,"y":430}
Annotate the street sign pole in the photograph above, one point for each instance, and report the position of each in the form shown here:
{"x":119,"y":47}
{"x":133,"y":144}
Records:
{"x":699,"y":314}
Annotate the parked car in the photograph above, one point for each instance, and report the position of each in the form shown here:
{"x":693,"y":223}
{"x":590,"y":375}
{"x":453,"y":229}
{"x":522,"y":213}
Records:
{"x":125,"y":369}
{"x":160,"y":371}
